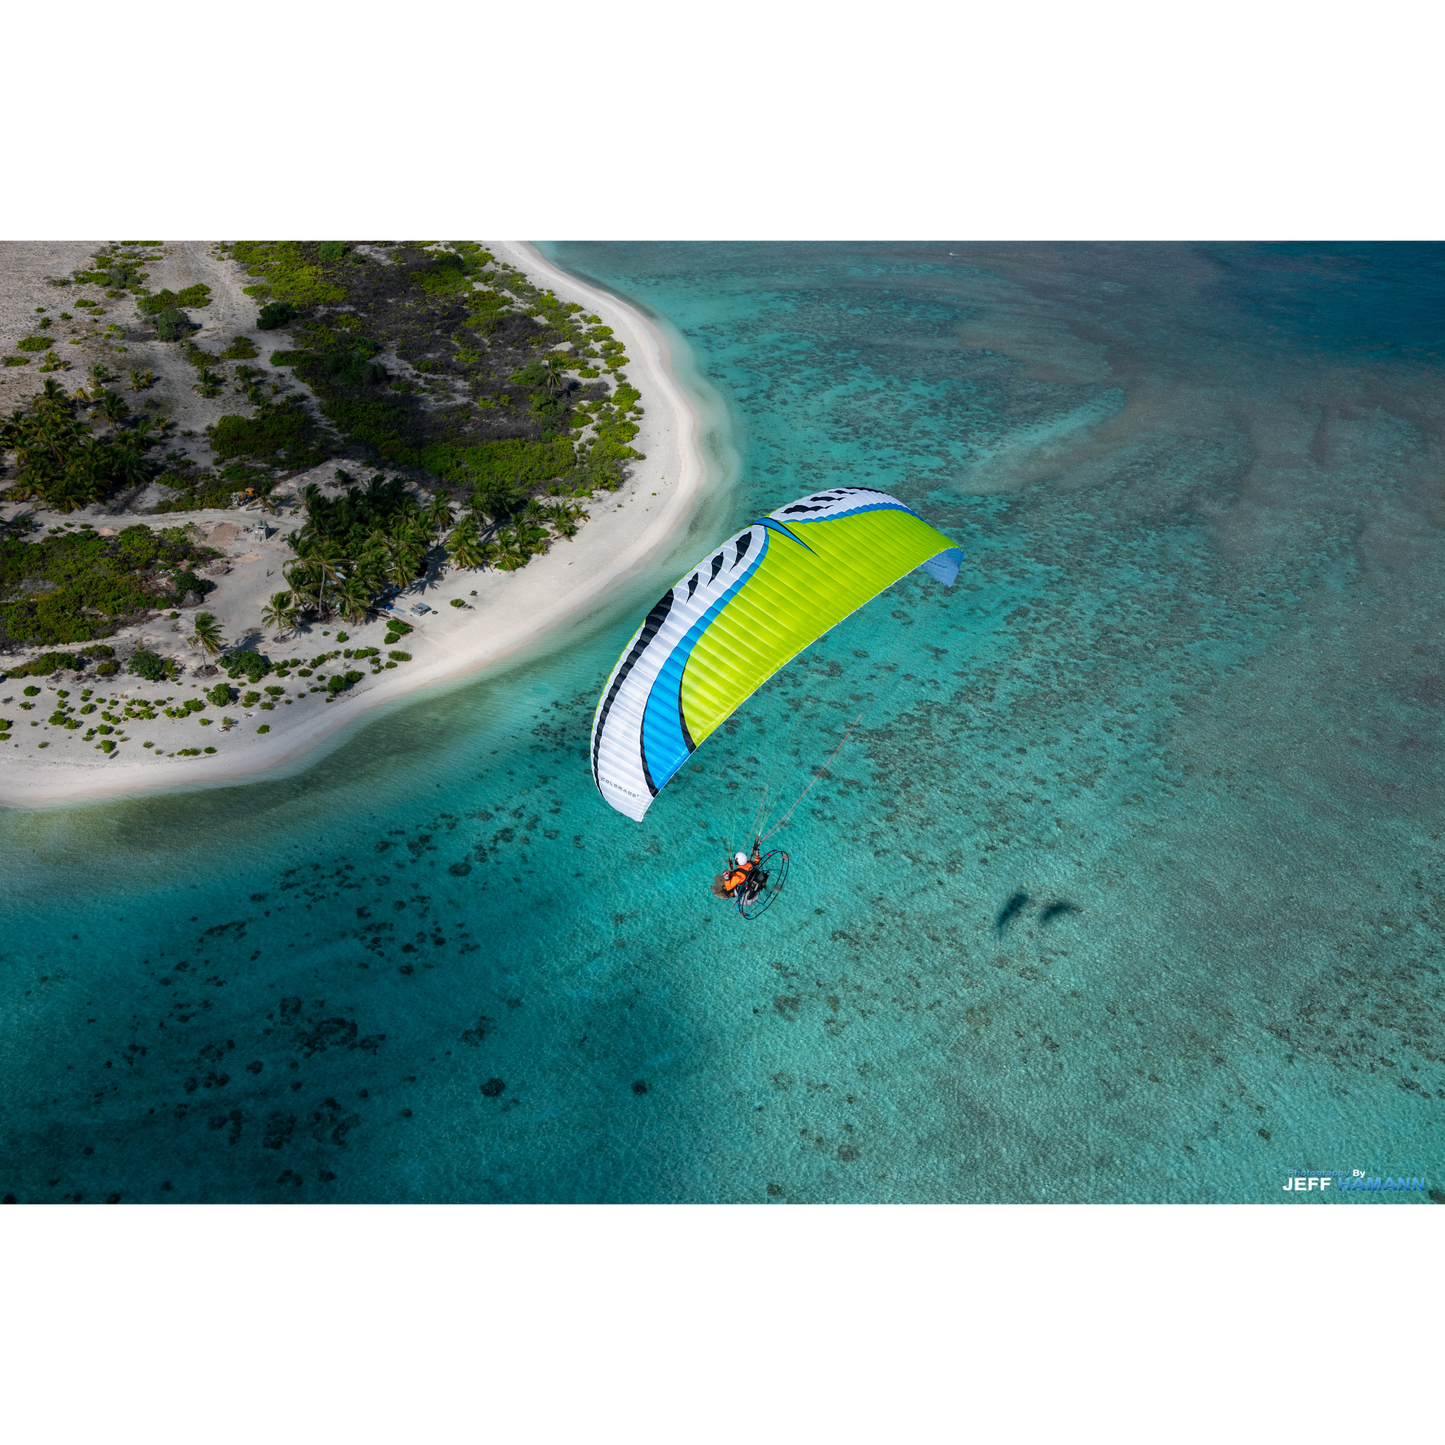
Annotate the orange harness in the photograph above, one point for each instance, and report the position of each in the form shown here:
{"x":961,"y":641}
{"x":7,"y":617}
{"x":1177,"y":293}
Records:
{"x":738,"y":877}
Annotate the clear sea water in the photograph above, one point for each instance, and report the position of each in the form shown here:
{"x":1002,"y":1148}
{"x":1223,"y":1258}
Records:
{"x":1127,"y":887}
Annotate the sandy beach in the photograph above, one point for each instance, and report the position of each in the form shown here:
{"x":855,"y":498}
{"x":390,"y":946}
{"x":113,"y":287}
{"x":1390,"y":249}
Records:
{"x":510,"y":611}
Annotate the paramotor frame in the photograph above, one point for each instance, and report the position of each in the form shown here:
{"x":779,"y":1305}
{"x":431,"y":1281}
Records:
{"x":768,"y":877}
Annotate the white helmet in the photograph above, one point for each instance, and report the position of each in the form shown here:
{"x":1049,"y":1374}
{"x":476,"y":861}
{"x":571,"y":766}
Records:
{"x":741,"y":859}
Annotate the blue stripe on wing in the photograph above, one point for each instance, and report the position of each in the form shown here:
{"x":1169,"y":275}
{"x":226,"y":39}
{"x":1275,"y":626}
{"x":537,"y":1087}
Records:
{"x":665,"y":743}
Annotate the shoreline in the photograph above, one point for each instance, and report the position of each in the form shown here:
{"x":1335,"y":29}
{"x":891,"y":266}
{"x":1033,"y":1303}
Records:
{"x":513,"y":611}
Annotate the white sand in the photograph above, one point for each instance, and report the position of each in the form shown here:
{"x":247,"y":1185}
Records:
{"x":510,"y":612}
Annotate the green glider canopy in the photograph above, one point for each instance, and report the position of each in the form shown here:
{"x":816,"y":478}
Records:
{"x":744,"y":612}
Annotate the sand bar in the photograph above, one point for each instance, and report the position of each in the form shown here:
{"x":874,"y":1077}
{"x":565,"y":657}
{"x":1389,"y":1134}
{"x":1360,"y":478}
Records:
{"x":510,"y":611}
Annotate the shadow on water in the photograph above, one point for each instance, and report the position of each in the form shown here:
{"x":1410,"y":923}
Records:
{"x":1057,"y":910}
{"x":1006,"y":915}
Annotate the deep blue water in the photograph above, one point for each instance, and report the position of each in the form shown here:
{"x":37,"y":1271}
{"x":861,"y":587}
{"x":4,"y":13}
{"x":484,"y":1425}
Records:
{"x":1127,"y":887}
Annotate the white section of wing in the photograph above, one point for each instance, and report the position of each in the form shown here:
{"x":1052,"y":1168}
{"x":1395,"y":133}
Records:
{"x":617,"y":735}
{"x":834,"y":502}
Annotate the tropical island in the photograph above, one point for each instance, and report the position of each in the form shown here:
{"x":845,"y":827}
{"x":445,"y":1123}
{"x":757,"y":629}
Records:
{"x":392,"y":445}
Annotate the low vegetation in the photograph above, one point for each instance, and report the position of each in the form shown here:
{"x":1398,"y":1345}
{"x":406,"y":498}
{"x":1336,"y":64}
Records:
{"x":72,"y":586}
{"x":430,"y":359}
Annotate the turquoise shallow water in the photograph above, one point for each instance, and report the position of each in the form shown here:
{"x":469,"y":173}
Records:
{"x":1183,"y":713}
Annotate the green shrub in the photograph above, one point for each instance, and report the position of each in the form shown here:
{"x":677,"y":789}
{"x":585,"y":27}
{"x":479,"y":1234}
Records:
{"x":336,"y":684}
{"x":275,"y":314}
{"x":17,"y":361}
{"x":106,"y":745}
{"x":242,"y":348}
{"x":399,"y":656}
{"x":457,"y":602}
{"x":149,"y":665}
{"x":520,"y":462}
{"x":47,"y":663}
{"x":281,"y":433}
{"x":220,"y":695}
{"x":33,"y":343}
{"x":351,"y":677}
{"x":447,"y":272}
{"x":289,"y":274}
{"x":32,"y":691}
{"x":108,"y":669}
{"x":332,"y":250}
{"x":251,"y":699}
{"x":353,"y":368}
{"x":264,"y":728}
{"x":172,"y":325}
{"x":192,"y":296}
{"x":186,"y":581}
{"x":208,"y":750}
{"x":99,"y":649}
{"x":252,"y":664}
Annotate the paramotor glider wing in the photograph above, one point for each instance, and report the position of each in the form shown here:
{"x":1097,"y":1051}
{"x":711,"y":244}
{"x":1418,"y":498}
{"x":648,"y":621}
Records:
{"x":746,"y":610}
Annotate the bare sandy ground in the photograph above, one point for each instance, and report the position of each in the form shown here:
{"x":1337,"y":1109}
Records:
{"x":510,"y":612}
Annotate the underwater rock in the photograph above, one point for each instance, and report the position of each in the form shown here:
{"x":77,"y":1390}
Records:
{"x":775,"y":1190}
{"x":494,"y":1088}
{"x":639,"y":1086}
{"x":327,"y":1034}
{"x":279,"y":1128}
{"x":475,"y":1036}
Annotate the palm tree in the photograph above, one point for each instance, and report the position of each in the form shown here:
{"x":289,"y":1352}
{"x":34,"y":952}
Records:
{"x":305,"y":587}
{"x":439,"y":514}
{"x":397,"y":561}
{"x":209,"y":382}
{"x":496,"y":498}
{"x":128,"y":464}
{"x":512,"y":552}
{"x":207,"y":635}
{"x":465,"y":546}
{"x":112,"y":407}
{"x":95,"y":459}
{"x":280,"y":612}
{"x":99,"y":375}
{"x":70,"y":492}
{"x":555,"y":372}
{"x":564,"y":519}
{"x":354,"y":598}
